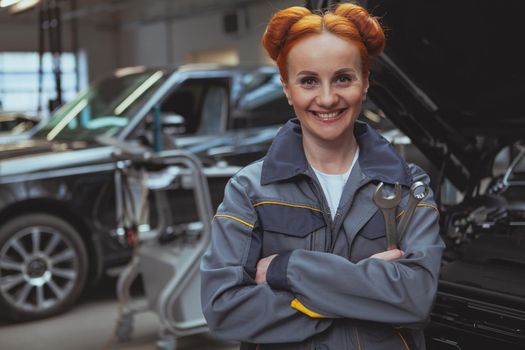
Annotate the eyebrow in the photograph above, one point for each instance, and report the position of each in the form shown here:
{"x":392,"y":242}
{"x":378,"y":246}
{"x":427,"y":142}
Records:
{"x":340,"y":71}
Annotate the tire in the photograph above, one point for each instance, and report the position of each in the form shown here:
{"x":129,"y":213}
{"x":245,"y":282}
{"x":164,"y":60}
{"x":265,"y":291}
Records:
{"x":43,"y":267}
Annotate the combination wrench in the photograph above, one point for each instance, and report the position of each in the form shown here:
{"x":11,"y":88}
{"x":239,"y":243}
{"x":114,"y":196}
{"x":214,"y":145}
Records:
{"x":418,"y":191}
{"x":388,"y":204}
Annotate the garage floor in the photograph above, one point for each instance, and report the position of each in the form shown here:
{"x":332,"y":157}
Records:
{"x":89,"y":325}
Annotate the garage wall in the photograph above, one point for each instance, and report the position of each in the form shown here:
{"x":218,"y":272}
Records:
{"x":100,"y":45}
{"x":168,"y":42}
{"x":152,"y":33}
{"x":119,"y":39}
{"x":18,"y":35}
{"x":99,"y":41}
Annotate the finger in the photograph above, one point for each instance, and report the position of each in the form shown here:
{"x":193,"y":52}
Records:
{"x":389,"y":255}
{"x":396,"y":254}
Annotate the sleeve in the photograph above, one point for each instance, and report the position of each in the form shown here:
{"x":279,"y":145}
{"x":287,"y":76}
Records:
{"x":235,"y":307}
{"x":399,"y":292}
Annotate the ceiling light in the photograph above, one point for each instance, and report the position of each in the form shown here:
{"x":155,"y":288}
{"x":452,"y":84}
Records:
{"x":5,"y":3}
{"x":23,"y":5}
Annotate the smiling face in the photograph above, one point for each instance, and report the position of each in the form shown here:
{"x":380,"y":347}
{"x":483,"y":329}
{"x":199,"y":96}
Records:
{"x":326,"y":87}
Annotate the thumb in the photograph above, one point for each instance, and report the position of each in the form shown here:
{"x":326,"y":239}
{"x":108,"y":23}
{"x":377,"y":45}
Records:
{"x":396,"y":253}
{"x":389,"y":255}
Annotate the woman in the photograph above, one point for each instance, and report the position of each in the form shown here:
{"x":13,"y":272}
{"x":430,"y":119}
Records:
{"x":297,"y":259}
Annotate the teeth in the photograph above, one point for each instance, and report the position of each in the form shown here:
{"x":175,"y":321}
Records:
{"x":327,"y":115}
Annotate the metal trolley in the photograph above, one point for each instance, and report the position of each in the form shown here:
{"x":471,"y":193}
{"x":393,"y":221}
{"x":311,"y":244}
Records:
{"x":170,"y":270}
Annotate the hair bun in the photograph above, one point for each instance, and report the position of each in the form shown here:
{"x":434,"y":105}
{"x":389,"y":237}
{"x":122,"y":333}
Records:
{"x":278,"y":27}
{"x":369,"y":28}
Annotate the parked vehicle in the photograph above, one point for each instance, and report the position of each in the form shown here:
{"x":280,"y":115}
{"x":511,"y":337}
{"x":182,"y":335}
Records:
{"x":446,"y":84}
{"x":15,"y":126}
{"x":58,"y":223}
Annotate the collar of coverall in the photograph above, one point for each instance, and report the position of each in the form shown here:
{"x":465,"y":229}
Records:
{"x":377,"y":158}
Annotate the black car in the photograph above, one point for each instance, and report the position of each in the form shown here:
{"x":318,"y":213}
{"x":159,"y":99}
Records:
{"x":58,"y":223}
{"x":451,"y":80}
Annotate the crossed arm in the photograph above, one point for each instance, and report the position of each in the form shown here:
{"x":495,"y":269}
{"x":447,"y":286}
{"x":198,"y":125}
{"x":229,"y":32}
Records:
{"x":262,"y":265}
{"x":395,"y":287}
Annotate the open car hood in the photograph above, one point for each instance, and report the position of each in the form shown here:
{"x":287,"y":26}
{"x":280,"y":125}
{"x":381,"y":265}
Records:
{"x":451,"y":79}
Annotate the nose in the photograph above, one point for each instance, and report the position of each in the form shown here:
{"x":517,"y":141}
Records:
{"x":327,"y":97}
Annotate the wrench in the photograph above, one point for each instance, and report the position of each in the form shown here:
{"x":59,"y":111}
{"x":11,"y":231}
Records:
{"x":387,"y":204}
{"x":418,"y":191}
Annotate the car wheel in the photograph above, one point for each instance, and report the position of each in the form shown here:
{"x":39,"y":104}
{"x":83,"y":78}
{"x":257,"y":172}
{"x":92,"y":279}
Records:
{"x":43,"y":267}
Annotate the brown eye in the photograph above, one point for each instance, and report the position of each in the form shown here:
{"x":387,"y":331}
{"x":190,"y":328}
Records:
{"x":308,"y":82}
{"x":344,"y":79}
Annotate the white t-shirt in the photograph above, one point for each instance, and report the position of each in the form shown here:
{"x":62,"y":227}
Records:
{"x":333,"y":185}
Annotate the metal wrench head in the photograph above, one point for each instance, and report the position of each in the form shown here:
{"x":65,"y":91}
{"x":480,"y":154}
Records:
{"x":387,"y":201}
{"x":419,"y":190}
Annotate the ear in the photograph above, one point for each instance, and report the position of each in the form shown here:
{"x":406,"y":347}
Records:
{"x":286,"y":92}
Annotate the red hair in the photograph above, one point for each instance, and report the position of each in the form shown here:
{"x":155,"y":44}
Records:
{"x":348,"y":21}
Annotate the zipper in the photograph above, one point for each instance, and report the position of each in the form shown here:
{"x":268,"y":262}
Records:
{"x":358,"y":342}
{"x":339,"y":219}
{"x":322,"y":201}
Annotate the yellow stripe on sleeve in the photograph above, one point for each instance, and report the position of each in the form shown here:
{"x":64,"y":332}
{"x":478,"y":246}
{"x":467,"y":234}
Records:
{"x":403,"y":212}
{"x":296,"y":304}
{"x":430,"y":206}
{"x":404,"y":341}
{"x":233,"y":218}
{"x":288,"y":205}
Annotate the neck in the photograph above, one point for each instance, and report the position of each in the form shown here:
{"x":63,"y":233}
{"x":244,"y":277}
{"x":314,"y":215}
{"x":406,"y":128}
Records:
{"x":330,"y":157}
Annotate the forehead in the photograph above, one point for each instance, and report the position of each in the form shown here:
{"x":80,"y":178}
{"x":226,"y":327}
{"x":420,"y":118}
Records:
{"x":323,"y":53}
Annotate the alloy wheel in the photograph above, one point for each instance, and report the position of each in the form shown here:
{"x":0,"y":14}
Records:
{"x":38,"y":268}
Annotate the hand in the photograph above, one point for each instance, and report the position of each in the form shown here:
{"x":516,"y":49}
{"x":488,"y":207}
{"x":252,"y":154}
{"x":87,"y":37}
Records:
{"x":389,"y":255}
{"x":262,"y":267}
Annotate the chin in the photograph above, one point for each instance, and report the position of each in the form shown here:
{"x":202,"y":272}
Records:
{"x":331,"y":137}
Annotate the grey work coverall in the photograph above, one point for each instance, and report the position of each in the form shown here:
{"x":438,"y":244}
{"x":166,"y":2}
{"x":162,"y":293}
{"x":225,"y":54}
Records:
{"x":323,"y":291}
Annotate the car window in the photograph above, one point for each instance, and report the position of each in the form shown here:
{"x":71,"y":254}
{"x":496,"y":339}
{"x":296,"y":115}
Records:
{"x":201,"y":105}
{"x":262,"y":102}
{"x":197,"y":107}
{"x":104,"y":109}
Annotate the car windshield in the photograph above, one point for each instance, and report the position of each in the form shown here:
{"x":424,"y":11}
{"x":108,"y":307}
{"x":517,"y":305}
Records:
{"x":103,"y":109}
